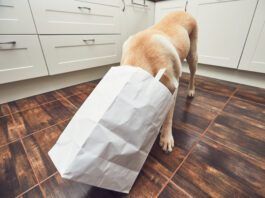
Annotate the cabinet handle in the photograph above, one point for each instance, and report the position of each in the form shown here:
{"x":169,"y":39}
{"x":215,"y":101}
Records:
{"x":9,"y":42}
{"x":80,"y":7}
{"x":139,"y":4}
{"x":86,"y":40}
{"x":123,"y":2}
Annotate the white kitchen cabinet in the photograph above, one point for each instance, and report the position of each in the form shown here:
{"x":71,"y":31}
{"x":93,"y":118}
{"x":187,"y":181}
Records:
{"x":137,"y":16}
{"x":66,"y":53}
{"x":15,"y":17}
{"x":20,"y":58}
{"x":223,"y":28}
{"x":76,"y":16}
{"x":164,"y":7}
{"x":253,"y":58}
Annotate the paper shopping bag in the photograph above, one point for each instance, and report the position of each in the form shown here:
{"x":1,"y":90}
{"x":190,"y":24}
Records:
{"x":108,"y":140}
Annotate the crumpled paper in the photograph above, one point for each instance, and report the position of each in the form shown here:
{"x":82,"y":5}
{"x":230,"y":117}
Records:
{"x":108,"y":140}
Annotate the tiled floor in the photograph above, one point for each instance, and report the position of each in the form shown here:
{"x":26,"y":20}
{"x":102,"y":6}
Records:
{"x":219,"y":145}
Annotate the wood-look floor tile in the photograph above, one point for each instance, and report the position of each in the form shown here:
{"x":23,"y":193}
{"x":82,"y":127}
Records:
{"x":77,"y":89}
{"x":246,"y":109}
{"x":43,"y":116}
{"x":86,"y":88}
{"x":58,"y":187}
{"x":216,"y":171}
{"x":37,"y":146}
{"x":192,"y":116}
{"x":240,"y":135}
{"x":8,"y":130}
{"x":252,"y":94}
{"x":149,"y":181}
{"x":33,"y":101}
{"x":173,"y":191}
{"x":204,"y":98}
{"x":16,"y":175}
{"x":63,"y":124}
{"x":183,"y":141}
{"x":33,"y":193}
{"x":219,"y":87}
{"x":4,"y":109}
{"x":78,"y":99}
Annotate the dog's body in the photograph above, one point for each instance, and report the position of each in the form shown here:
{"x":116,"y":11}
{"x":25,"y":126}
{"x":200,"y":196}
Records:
{"x":165,"y":45}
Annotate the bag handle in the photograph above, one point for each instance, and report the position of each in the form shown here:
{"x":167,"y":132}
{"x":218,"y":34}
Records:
{"x":160,"y":73}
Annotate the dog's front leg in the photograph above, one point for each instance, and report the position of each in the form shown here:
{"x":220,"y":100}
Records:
{"x":166,"y":137}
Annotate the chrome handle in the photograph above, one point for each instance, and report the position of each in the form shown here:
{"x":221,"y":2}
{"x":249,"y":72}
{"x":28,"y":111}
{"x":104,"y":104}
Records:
{"x":82,"y":7}
{"x":123,"y":2}
{"x":144,"y":4}
{"x":9,"y":42}
{"x":92,"y":40}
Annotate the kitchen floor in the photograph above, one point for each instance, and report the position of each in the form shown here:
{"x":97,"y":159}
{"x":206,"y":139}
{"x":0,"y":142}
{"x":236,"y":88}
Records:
{"x":219,"y":145}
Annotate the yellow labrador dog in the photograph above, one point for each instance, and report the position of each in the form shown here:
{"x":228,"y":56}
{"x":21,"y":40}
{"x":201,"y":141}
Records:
{"x":165,"y":45}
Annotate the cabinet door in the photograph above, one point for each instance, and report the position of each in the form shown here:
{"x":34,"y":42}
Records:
{"x":15,"y":17}
{"x":76,"y":16}
{"x":66,"y":53}
{"x":223,"y":28}
{"x":253,"y":58}
{"x":164,"y":7}
{"x":20,"y":58}
{"x":136,"y":17}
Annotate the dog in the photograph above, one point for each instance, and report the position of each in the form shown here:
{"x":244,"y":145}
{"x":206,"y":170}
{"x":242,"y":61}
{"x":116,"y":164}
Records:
{"x":165,"y":45}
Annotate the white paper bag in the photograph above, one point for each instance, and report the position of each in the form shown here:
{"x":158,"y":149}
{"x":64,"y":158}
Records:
{"x":108,"y":140}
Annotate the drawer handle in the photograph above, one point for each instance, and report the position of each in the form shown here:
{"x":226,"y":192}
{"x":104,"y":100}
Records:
{"x":87,"y":40}
{"x":9,"y":42}
{"x":80,"y":7}
{"x":139,"y":4}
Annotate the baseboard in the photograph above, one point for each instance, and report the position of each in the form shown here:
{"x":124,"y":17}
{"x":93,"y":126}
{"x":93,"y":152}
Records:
{"x":232,"y":75}
{"x":26,"y":88}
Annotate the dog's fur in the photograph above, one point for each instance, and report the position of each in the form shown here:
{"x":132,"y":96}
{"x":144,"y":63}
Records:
{"x":166,"y":44}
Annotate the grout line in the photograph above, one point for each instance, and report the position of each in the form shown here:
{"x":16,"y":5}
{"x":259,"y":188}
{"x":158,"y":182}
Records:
{"x":30,"y":163}
{"x":37,"y":185}
{"x":19,"y":111}
{"x":181,"y":189}
{"x":66,"y":100}
{"x":9,"y":143}
{"x":56,"y":91}
{"x":27,"y":190}
{"x":27,"y":156}
{"x":38,"y":131}
{"x":24,"y":147}
{"x":48,"y":177}
{"x":195,"y":143}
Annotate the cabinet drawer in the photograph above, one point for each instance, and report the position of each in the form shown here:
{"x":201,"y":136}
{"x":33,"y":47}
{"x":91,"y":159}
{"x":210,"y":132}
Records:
{"x":15,"y":17}
{"x":21,"y":59}
{"x":65,"y":53}
{"x":76,"y":17}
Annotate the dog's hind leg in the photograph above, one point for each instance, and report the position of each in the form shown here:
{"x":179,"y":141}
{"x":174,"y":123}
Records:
{"x":192,"y":60}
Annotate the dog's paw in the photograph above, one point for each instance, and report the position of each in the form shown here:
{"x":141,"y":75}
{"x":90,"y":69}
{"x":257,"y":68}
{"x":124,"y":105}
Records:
{"x":166,"y":142}
{"x":191,"y":93}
